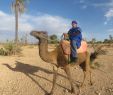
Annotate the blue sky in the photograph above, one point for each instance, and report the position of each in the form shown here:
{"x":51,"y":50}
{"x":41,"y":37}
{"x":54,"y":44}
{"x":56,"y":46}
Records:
{"x":95,"y":17}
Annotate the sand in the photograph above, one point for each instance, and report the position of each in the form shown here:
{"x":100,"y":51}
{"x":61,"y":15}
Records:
{"x":27,"y":74}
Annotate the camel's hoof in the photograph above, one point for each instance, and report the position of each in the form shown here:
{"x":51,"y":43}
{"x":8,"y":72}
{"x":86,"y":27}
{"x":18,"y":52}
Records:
{"x":72,"y":90}
{"x":79,"y":93}
{"x":77,"y":85}
{"x":91,"y":83}
{"x":81,"y":86}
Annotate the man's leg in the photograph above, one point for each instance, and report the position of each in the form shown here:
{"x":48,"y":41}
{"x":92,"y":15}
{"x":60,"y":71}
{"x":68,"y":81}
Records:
{"x":73,"y":51}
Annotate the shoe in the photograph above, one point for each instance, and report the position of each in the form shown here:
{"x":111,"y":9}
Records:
{"x":73,"y":60}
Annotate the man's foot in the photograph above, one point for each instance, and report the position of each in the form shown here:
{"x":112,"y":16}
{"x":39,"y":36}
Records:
{"x":73,"y":60}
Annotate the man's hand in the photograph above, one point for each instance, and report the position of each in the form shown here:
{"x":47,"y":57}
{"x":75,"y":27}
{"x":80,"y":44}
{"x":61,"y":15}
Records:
{"x":65,"y":35}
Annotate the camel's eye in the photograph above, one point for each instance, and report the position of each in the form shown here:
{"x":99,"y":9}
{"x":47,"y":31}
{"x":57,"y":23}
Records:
{"x":39,"y":32}
{"x":45,"y":32}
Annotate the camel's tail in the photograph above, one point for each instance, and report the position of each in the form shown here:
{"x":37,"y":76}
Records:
{"x":98,"y":51}
{"x":93,"y":56}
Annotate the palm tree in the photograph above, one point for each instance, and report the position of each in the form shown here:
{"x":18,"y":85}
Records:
{"x":110,"y":38}
{"x":18,"y":7}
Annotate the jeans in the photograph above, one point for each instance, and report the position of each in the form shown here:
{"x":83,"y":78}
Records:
{"x":73,"y":49}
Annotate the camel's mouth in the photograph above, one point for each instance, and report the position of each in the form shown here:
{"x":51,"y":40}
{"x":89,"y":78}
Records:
{"x":33,"y":33}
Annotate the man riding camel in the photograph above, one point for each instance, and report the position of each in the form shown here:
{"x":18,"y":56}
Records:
{"x":75,"y":38}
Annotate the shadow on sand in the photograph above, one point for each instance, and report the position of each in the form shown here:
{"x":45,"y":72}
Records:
{"x":29,"y":70}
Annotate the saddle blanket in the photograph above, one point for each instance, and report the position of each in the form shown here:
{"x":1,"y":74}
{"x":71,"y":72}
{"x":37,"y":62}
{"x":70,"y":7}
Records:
{"x":67,"y":47}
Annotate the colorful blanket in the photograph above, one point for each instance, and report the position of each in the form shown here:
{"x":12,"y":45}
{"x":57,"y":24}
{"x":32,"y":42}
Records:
{"x":67,"y":48}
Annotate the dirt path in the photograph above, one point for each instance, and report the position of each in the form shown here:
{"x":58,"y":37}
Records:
{"x":29,"y":75}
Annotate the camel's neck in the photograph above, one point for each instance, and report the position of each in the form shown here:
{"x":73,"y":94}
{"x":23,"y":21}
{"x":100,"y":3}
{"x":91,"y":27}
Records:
{"x":43,"y":50}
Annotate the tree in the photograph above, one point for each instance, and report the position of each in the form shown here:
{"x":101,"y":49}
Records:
{"x":93,"y":40}
{"x":110,"y":38}
{"x":18,"y":7}
{"x":26,"y":39}
{"x":53,"y":39}
{"x":106,"y":41}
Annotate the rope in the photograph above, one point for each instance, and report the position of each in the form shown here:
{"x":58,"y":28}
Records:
{"x":62,"y":38}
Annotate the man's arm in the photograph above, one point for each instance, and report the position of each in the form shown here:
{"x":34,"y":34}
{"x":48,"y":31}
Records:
{"x":65,"y":35}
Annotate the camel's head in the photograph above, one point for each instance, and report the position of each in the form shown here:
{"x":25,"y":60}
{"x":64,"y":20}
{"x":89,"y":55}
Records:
{"x":39,"y":34}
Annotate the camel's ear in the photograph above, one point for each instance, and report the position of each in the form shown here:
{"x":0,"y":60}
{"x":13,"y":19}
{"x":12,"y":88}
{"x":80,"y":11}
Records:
{"x":45,"y":32}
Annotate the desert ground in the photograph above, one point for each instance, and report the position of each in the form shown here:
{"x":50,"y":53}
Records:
{"x":28,"y":74}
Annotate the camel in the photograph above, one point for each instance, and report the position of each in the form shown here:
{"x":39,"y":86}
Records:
{"x":58,"y":59}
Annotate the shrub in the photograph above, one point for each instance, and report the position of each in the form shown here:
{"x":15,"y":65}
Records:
{"x":10,"y":49}
{"x":53,"y":39}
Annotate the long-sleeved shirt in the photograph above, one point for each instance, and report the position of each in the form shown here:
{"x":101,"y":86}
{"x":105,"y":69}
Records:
{"x":75,"y":34}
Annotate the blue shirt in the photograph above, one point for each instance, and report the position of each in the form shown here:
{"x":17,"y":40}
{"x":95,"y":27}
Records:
{"x":75,"y":34}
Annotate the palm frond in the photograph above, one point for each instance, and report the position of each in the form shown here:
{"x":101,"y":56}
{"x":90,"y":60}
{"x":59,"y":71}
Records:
{"x":20,"y":4}
{"x":12,"y":6}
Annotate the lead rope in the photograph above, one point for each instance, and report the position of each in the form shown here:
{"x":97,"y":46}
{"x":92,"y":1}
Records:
{"x":62,"y":38}
{"x":68,"y":58}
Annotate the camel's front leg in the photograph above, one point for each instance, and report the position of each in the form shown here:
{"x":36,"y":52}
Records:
{"x":55,"y":71}
{"x":67,"y":70}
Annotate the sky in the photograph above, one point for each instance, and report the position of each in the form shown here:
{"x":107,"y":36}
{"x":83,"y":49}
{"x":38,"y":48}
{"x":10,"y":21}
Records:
{"x":94,"y":17}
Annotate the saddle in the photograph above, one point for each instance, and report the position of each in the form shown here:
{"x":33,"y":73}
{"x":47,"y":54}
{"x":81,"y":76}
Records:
{"x":67,"y":47}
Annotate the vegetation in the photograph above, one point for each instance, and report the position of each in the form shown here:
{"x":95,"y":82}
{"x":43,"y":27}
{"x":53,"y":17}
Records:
{"x":95,"y":65}
{"x":9,"y":49}
{"x":24,"y":40}
{"x":53,"y":39}
{"x":108,"y":41}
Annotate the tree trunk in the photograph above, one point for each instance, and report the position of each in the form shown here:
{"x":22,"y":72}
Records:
{"x":26,"y":41}
{"x":16,"y":24}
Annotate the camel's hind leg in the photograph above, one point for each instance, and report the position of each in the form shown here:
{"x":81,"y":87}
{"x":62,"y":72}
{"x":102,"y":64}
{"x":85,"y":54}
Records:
{"x":55,"y":71}
{"x":85,"y":74}
{"x":67,"y":70}
{"x":91,"y":83}
{"x":86,"y":69}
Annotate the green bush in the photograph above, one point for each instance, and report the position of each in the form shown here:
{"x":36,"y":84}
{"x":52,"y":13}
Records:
{"x":3,"y":51}
{"x":10,"y":49}
{"x":53,"y":39}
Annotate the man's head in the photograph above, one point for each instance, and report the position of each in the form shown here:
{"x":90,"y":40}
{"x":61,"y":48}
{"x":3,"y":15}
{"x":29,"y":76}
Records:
{"x":74,"y":24}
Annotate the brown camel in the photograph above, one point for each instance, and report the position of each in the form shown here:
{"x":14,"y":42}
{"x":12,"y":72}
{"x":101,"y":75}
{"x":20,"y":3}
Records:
{"x":58,"y":59}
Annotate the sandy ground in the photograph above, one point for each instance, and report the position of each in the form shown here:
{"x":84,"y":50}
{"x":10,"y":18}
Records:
{"x":27,"y":74}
